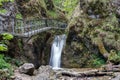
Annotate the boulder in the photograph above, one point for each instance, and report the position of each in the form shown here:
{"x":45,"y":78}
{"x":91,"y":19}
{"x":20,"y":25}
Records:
{"x":18,"y":78}
{"x":45,"y":73}
{"x":27,"y":68}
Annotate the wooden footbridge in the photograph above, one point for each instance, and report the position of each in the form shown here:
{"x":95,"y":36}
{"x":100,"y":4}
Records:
{"x":28,"y":28}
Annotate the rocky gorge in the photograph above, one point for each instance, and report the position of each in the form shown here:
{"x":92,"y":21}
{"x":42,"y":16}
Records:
{"x":92,"y":49}
{"x":92,"y":34}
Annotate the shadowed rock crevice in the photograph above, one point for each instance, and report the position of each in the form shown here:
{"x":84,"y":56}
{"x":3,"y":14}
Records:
{"x":38,"y":48}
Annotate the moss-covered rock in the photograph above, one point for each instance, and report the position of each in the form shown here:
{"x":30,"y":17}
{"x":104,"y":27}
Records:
{"x":93,"y":30}
{"x":31,"y":9}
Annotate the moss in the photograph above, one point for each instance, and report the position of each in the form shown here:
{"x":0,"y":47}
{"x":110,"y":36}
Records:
{"x":3,"y":11}
{"x":19,"y":16}
{"x":88,"y":36}
{"x":101,"y":47}
{"x":53,"y":14}
{"x":27,"y":8}
{"x":114,"y":57}
{"x":20,"y":45}
{"x":101,"y":8}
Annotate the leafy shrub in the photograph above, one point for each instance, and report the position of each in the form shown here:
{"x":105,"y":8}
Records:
{"x":114,"y":57}
{"x":3,"y":63}
{"x":5,"y":41}
{"x":97,"y":60}
{"x":7,"y":36}
{"x":15,"y":62}
{"x":19,"y":16}
{"x":3,"y":47}
{"x":5,"y":68}
{"x":3,"y":11}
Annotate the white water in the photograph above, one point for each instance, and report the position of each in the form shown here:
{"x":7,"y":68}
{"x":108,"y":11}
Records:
{"x":56,"y":50}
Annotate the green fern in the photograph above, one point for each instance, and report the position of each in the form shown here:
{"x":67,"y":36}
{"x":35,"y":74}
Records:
{"x":5,"y":68}
{"x":3,"y":63}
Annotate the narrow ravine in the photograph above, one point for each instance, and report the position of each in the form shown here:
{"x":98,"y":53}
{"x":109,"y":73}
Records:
{"x":86,"y":47}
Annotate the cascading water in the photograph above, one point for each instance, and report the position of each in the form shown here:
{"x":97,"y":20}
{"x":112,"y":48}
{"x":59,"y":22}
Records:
{"x":56,"y":50}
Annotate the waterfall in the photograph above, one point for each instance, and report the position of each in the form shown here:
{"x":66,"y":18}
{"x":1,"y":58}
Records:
{"x":56,"y":50}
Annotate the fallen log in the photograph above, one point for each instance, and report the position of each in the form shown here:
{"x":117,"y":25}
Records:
{"x":90,"y":73}
{"x":110,"y":68}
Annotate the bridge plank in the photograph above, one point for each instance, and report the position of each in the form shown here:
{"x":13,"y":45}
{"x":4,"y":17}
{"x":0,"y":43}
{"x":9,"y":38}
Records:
{"x":34,"y":32}
{"x":31,"y":33}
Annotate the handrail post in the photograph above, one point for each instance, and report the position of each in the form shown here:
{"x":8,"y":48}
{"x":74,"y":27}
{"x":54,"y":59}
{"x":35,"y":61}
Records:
{"x":46,"y":23}
{"x":23,"y":24}
{"x":13,"y":26}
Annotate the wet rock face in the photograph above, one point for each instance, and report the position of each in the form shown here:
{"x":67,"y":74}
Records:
{"x":88,"y":36}
{"x":38,"y":48}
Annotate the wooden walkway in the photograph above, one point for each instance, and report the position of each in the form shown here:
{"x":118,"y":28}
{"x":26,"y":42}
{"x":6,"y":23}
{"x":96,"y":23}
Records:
{"x":19,"y":27}
{"x":34,"y":32}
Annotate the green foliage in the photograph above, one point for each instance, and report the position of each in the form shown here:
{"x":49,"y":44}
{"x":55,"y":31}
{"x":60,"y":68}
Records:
{"x":5,"y":41}
{"x":3,"y":47}
{"x":7,"y":36}
{"x":1,"y":1}
{"x":52,"y":14}
{"x":15,"y":62}
{"x":5,"y":68}
{"x":114,"y":57}
{"x":3,"y":11}
{"x":67,"y":5}
{"x":3,"y":63}
{"x":97,"y":60}
{"x":19,"y":16}
{"x":118,"y":53}
{"x":58,"y":3}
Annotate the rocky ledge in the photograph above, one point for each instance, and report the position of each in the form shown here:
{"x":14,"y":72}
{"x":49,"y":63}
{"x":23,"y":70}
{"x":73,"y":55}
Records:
{"x":107,"y":72}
